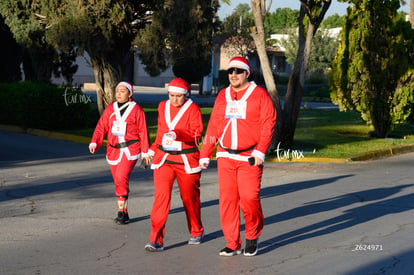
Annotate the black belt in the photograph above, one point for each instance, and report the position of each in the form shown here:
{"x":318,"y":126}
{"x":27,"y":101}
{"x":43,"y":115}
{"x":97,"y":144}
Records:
{"x":173,"y":162}
{"x":124,"y":144}
{"x":232,"y":151}
{"x":183,"y":151}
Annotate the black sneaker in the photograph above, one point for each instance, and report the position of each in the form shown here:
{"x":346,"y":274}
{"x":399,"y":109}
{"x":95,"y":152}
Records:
{"x":122,"y":218}
{"x":229,"y":252}
{"x":251,"y":247}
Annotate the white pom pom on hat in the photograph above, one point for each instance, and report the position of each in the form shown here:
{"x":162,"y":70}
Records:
{"x":179,"y":85}
{"x":239,"y":62}
{"x":127,"y":85}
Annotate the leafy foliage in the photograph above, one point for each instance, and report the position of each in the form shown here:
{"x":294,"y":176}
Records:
{"x":373,"y":69}
{"x":333,"y":21}
{"x":236,"y":27}
{"x":10,"y":55}
{"x":25,"y":22}
{"x":179,"y":35}
{"x":281,"y":20}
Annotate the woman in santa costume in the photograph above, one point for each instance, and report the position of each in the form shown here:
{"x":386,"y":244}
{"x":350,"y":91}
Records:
{"x":242,"y":123}
{"x":123,"y":122}
{"x":176,"y":156}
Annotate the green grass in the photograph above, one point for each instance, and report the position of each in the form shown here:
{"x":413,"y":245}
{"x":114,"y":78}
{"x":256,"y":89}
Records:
{"x":334,"y":134}
{"x":319,"y":133}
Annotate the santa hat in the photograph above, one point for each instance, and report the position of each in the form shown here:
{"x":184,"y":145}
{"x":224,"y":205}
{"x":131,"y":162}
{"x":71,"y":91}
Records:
{"x":127,"y":85}
{"x":239,"y":62}
{"x":179,"y":85}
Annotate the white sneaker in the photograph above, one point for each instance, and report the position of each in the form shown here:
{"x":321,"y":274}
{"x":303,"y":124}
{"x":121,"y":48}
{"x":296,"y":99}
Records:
{"x":154,"y":247}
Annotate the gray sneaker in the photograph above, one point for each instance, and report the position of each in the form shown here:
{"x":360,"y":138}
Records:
{"x":196,"y":240}
{"x":154,"y":247}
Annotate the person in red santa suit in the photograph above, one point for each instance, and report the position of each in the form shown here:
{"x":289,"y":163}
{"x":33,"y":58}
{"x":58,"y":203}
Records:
{"x":176,"y":156}
{"x":124,"y":124}
{"x":242,"y":123}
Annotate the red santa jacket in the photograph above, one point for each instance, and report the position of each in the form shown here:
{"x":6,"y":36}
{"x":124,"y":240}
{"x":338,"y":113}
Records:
{"x":248,"y":133}
{"x":185,"y":121}
{"x":135,"y":139}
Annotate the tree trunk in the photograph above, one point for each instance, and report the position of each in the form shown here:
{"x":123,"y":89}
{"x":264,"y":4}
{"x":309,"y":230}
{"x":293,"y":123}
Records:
{"x":258,"y":36}
{"x":295,"y":88}
{"x":381,"y":121}
{"x":200,"y":86}
{"x":296,"y":82}
{"x":106,"y":79}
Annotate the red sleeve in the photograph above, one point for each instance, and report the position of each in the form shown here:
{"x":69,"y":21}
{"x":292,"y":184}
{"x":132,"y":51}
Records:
{"x":267,"y":120}
{"x":194,"y":130}
{"x":102,"y":127}
{"x":160,"y":128}
{"x":142,"y":129}
{"x":212,"y":134}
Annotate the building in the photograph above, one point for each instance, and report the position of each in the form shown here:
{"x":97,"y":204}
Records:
{"x":220,"y":60}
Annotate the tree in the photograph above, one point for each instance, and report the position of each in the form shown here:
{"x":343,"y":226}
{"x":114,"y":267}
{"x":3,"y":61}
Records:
{"x":311,"y":14}
{"x":105,"y":30}
{"x":373,"y":69}
{"x":281,"y":21}
{"x":189,"y":32}
{"x":237,"y":29}
{"x":333,"y":21}
{"x":259,"y":11}
{"x":324,"y":48}
{"x":10,"y":55}
{"x":23,"y":19}
{"x":180,"y":35}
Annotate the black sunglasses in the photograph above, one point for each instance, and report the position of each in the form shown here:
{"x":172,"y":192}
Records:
{"x":237,"y":70}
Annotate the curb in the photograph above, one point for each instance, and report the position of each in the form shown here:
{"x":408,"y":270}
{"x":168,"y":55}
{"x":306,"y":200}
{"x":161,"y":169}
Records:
{"x":384,"y":153}
{"x":305,"y":159}
{"x":86,"y":140}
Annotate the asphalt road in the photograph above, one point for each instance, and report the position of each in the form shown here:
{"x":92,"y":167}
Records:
{"x":57,"y":207}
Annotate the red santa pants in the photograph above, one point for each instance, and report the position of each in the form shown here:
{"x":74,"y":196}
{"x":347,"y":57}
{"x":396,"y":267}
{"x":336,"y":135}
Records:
{"x":189,"y":185}
{"x":239,"y":188}
{"x":120,"y":174}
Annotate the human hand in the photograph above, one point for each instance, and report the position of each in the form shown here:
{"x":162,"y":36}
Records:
{"x":147,"y":160}
{"x":92,"y":148}
{"x":204,"y":163}
{"x":256,"y":161}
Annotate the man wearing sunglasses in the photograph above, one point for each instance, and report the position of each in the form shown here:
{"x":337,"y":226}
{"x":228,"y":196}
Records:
{"x":242,"y":123}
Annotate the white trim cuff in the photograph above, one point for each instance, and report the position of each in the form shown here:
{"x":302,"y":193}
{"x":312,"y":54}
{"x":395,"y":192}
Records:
{"x":204,"y":161}
{"x":257,"y":153}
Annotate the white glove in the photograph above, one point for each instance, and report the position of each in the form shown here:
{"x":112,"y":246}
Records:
{"x":171,"y":134}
